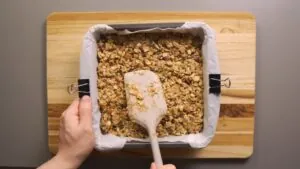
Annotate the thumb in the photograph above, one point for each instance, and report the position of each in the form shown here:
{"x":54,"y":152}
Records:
{"x":168,"y":166}
{"x":153,"y":166}
{"x":85,"y":111}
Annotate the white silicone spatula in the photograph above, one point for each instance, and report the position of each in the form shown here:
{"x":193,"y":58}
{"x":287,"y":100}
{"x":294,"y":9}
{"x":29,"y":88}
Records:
{"x":146,"y":104}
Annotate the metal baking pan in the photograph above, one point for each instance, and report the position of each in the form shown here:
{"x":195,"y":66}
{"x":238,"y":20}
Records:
{"x":136,"y":27}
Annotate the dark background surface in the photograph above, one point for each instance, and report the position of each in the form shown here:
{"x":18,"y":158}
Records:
{"x":23,"y":117}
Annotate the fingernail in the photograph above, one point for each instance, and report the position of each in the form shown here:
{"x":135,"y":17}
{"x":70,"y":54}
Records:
{"x":86,"y":98}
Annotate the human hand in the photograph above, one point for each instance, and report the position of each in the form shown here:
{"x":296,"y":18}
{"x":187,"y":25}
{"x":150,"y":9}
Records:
{"x":167,"y":166}
{"x":76,"y":138}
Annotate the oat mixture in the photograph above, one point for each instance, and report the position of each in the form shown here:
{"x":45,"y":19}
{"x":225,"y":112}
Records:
{"x":175,"y":58}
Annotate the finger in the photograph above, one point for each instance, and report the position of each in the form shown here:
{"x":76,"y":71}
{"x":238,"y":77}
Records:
{"x":153,"y":166}
{"x":70,"y":115}
{"x":168,"y":166}
{"x":73,"y":108}
{"x":85,"y":111}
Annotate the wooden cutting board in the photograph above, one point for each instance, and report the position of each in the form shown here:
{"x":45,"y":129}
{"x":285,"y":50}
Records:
{"x":236,"y":43}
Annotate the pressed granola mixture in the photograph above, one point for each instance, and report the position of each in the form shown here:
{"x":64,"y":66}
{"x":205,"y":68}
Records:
{"x":175,"y":58}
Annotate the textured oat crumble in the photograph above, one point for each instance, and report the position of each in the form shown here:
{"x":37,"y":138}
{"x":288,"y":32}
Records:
{"x":175,"y":58}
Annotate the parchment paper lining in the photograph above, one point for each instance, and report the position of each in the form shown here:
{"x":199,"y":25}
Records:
{"x":88,"y":70}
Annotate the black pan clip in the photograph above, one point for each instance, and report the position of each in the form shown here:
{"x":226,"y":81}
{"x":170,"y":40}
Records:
{"x":215,"y":83}
{"x":83,"y":88}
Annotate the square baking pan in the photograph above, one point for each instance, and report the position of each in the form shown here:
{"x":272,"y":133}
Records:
{"x":212,"y":89}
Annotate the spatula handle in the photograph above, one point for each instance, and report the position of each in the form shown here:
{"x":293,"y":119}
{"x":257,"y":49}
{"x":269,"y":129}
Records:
{"x":155,"y":150}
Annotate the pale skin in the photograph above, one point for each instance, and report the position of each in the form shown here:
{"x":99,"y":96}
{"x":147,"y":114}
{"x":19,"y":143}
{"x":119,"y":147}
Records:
{"x":76,"y":137}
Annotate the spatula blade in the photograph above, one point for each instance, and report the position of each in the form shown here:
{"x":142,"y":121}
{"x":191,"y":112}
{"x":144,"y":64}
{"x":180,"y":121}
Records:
{"x":145,"y":98}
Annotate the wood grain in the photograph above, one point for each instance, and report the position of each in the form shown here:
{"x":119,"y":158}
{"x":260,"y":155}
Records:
{"x":236,"y":36}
